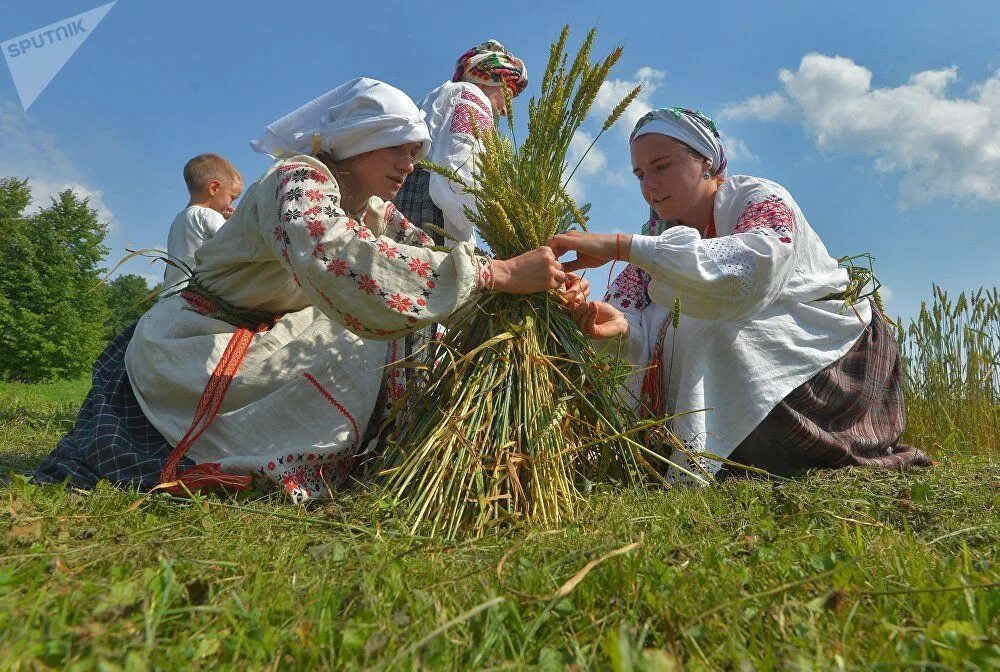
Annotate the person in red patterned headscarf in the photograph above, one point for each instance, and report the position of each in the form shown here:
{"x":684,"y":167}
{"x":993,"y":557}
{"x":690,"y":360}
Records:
{"x":485,"y":77}
{"x":474,"y":98}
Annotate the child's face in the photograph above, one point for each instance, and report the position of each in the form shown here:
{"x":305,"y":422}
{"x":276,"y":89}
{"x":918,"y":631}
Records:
{"x":221,"y":195}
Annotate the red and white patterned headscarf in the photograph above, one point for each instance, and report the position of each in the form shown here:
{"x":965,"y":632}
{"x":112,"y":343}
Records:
{"x":491,"y":64}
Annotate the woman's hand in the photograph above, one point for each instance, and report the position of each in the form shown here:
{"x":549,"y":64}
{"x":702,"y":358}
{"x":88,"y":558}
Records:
{"x":576,"y":291}
{"x":600,"y":320}
{"x":531,"y":272}
{"x":592,"y":249}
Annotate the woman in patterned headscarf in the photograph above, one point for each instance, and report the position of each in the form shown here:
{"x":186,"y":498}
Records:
{"x":734,"y":312}
{"x":485,"y":77}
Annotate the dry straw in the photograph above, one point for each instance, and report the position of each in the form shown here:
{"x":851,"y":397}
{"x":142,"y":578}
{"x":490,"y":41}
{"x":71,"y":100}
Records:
{"x":520,"y":414}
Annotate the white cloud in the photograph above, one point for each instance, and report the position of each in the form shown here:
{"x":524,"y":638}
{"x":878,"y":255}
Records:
{"x":766,"y":108}
{"x":941,"y":145}
{"x":737,"y":151}
{"x":26,"y":150}
{"x":887,"y":294}
{"x":614,"y":90}
{"x":595,"y":166}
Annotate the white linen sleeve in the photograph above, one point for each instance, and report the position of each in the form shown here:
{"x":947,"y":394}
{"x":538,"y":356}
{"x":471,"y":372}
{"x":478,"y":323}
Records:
{"x":373,"y":285}
{"x":459,"y":147}
{"x":730,"y":277}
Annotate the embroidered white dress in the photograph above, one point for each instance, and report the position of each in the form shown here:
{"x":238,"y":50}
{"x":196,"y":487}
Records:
{"x":345,"y":288}
{"x":754,"y":324}
{"x":451,"y":110}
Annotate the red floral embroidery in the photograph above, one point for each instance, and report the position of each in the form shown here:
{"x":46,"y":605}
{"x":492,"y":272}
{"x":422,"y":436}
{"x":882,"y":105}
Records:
{"x":768,"y":213}
{"x":366,"y":284}
{"x":319,"y":250}
{"x":422,"y":302}
{"x":364,"y":234}
{"x":430,"y":284}
{"x":316,"y":228}
{"x":420,"y":267}
{"x":390,"y":209}
{"x":279,"y":233}
{"x":353,"y":323}
{"x":400,"y":302}
{"x":337,"y":266}
{"x":313,"y":211}
{"x":629,"y":290}
{"x":387,"y":250}
{"x":314,"y":194}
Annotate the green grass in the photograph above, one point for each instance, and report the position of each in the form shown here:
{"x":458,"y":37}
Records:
{"x":851,"y":570}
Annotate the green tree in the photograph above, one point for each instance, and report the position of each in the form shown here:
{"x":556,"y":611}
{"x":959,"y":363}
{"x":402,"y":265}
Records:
{"x":53,"y":310}
{"x":126,"y":302}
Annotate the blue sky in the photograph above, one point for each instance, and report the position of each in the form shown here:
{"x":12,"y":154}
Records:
{"x":827,"y":99}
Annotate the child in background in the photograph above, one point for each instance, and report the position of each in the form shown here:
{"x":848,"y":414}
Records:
{"x":214,"y":184}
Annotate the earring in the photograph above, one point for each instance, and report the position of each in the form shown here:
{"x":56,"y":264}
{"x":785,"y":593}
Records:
{"x":706,"y":175}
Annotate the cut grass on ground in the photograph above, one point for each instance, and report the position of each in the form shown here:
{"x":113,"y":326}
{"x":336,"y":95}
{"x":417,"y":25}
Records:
{"x":837,"y":570}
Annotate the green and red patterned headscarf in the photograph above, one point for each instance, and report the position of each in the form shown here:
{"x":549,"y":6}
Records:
{"x":491,"y":64}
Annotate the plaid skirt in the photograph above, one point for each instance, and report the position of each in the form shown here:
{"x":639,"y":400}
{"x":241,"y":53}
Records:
{"x":111,"y":438}
{"x":849,"y":414}
{"x":414,"y":201}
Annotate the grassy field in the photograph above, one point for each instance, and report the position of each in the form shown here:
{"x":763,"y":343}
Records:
{"x":839,"y":570}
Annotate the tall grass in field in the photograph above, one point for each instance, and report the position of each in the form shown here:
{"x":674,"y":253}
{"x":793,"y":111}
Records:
{"x":951,"y":353}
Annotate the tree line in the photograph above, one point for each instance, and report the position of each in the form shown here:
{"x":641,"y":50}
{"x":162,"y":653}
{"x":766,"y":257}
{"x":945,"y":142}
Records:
{"x":55,"y":313}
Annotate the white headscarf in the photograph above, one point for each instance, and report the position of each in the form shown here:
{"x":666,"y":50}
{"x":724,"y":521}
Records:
{"x":691,"y":127}
{"x":356,"y":117}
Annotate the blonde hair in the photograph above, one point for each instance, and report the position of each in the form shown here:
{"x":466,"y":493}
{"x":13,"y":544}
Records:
{"x":204,"y":168}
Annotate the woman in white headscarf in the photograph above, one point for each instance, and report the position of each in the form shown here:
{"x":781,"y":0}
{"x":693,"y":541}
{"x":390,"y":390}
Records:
{"x":768,"y":363}
{"x":271,"y":363}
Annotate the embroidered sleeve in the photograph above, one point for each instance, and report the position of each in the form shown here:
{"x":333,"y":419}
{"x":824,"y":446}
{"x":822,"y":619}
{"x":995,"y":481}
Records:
{"x":469,"y":111}
{"x":767,"y":214}
{"x":458,"y":150}
{"x":729,"y":277}
{"x":402,"y":230}
{"x":376,"y":286}
{"x":628,"y":295}
{"x":629,"y":290}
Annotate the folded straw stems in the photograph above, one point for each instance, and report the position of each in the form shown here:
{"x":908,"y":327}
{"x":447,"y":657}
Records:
{"x":518,"y":413}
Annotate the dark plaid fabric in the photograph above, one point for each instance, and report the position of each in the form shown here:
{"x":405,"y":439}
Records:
{"x":414,"y":201}
{"x":111,"y":439}
{"x":849,"y":414}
